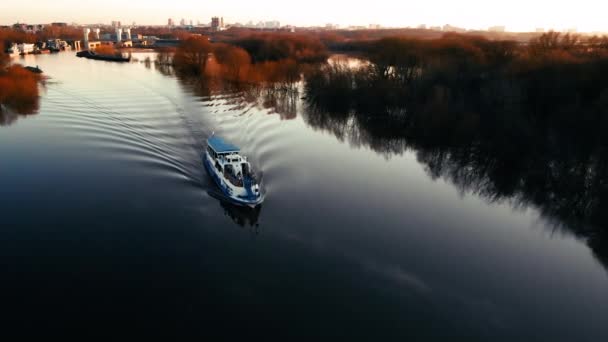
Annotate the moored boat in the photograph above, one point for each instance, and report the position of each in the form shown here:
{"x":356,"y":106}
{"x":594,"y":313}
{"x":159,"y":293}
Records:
{"x":92,"y":55}
{"x":232,"y":172}
{"x":35,"y":70}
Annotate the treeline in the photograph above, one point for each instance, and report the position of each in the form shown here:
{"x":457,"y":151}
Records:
{"x":280,"y":61}
{"x":350,"y":40}
{"x":61,"y":32}
{"x":409,"y":72}
{"x":165,"y":32}
{"x":10,"y":36}
{"x":279,"y":46}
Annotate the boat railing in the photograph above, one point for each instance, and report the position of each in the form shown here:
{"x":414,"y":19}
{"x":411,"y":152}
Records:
{"x":236,"y":181}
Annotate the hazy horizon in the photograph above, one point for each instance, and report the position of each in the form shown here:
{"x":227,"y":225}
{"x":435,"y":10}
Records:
{"x":518,"y":15}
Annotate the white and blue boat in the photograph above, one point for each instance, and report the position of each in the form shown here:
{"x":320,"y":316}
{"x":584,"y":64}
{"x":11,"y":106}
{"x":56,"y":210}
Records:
{"x":232,"y":172}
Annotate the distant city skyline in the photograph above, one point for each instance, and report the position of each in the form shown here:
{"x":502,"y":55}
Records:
{"x":515,"y":15}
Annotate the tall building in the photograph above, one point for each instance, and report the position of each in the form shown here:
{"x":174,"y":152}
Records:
{"x":271,"y":24}
{"x":182,"y":22}
{"x":116,"y":24}
{"x":170,"y":22}
{"x":215,"y":24}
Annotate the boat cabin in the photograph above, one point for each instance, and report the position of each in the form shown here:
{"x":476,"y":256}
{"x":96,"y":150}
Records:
{"x":218,"y":148}
{"x":229,"y":162}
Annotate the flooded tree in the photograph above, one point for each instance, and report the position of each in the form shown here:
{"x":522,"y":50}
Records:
{"x":18,"y":90}
{"x":193,"y":54}
{"x":232,"y":66}
{"x":234,"y":60}
{"x":164,"y":57}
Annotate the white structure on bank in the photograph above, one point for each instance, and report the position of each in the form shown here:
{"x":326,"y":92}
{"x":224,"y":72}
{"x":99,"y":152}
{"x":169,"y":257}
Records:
{"x":86,"y":31}
{"x":88,"y":45}
{"x":105,"y":39}
{"x":118,"y":35}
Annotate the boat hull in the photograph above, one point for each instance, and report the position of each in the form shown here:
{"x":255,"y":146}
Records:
{"x":91,"y":55}
{"x":227,"y":190}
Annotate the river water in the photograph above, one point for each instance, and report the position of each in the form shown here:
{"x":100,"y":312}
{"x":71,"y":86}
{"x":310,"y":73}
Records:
{"x":109,"y":224}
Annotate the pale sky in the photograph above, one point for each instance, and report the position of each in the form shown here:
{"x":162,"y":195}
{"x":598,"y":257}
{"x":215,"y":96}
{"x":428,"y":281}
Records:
{"x":516,"y":15}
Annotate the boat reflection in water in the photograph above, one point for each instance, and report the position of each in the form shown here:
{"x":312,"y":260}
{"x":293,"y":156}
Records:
{"x":244,"y":216}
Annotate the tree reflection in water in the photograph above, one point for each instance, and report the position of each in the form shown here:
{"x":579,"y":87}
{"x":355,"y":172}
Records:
{"x":9,"y":116}
{"x":528,"y":151}
{"x":274,"y":94}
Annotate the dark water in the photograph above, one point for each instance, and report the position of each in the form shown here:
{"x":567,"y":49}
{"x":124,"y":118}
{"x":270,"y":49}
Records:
{"x":108,"y":228}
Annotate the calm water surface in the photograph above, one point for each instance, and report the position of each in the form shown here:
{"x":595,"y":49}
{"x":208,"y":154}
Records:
{"x":108,"y":224}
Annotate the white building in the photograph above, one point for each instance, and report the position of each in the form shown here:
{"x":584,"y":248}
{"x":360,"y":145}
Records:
{"x":497,"y":29}
{"x":26,"y":48}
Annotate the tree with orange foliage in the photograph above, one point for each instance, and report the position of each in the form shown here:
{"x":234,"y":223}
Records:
{"x":13,"y":36}
{"x":286,"y":71}
{"x":19,"y":89}
{"x":234,"y":61}
{"x":192,"y":55}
